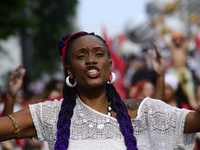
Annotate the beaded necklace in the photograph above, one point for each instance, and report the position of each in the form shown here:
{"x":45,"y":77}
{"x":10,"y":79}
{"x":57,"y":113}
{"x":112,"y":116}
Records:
{"x":109,"y":109}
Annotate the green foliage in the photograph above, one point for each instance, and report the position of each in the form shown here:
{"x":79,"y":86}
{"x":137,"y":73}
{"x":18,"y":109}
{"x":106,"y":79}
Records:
{"x":53,"y":24}
{"x":45,"y":21}
{"x":11,"y":19}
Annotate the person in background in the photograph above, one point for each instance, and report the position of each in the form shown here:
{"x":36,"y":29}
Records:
{"x":178,"y":67}
{"x":198,"y":92}
{"x":170,"y":94}
{"x":142,"y":89}
{"x":52,"y":90}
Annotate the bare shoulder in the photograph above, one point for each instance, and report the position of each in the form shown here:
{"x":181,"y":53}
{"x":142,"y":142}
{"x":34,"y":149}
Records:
{"x":132,"y":106}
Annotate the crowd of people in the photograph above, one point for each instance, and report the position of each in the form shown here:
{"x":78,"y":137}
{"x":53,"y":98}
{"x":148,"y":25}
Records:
{"x":52,"y":90}
{"x":90,"y":94}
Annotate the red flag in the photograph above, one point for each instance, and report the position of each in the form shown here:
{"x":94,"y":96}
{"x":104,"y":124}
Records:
{"x":118,"y":65}
{"x":197,"y":41}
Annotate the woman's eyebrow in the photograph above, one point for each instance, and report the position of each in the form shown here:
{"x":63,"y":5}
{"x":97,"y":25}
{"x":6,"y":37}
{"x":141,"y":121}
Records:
{"x":99,"y":47}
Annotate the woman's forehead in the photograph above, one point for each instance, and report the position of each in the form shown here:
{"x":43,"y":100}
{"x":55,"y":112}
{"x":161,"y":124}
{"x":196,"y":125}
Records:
{"x":87,"y":40}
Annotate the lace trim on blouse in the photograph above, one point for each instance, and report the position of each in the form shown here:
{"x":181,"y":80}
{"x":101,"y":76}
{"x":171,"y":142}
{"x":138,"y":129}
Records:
{"x":157,"y":126}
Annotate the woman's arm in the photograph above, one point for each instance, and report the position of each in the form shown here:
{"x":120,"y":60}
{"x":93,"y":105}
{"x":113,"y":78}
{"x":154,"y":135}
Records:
{"x":192,"y":122}
{"x":158,"y":65}
{"x":21,"y":120}
{"x":25,"y":123}
{"x":14,"y":85}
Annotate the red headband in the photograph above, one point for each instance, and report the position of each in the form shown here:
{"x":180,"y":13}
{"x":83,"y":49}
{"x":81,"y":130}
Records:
{"x":66,"y":44}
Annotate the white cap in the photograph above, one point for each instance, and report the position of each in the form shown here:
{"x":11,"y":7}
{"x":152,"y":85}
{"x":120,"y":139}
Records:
{"x":172,"y":81}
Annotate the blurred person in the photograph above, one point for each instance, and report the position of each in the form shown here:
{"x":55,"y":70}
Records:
{"x":193,"y":61}
{"x":52,"y":90}
{"x":6,"y":145}
{"x":170,"y":94}
{"x":141,"y":89}
{"x":147,"y":90}
{"x":198,"y":92}
{"x":178,"y":67}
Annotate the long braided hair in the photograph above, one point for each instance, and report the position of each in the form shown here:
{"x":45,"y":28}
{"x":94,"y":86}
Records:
{"x":69,"y":102}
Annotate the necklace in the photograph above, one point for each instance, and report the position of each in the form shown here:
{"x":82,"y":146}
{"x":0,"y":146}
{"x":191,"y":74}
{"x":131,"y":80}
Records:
{"x":109,"y":109}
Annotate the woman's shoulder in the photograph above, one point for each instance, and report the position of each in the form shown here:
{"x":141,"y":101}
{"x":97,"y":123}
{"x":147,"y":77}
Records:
{"x":135,"y":105}
{"x":48,"y":104}
{"x":132,"y":106}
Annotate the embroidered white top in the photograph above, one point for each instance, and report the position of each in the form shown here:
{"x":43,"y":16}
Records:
{"x":158,"y":126}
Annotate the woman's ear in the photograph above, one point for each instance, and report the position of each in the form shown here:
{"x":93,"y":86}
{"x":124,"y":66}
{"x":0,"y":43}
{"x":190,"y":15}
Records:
{"x":110,"y":66}
{"x":68,"y":70}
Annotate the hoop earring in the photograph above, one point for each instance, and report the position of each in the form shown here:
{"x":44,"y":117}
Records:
{"x":113,"y":78}
{"x":69,"y":84}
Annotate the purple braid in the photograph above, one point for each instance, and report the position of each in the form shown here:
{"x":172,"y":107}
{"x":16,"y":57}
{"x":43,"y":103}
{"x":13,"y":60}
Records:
{"x":69,"y":97}
{"x":64,"y":121}
{"x":122,"y":117}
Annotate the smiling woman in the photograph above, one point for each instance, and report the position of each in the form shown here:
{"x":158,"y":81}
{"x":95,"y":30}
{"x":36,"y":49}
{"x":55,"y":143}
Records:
{"x":92,"y":115}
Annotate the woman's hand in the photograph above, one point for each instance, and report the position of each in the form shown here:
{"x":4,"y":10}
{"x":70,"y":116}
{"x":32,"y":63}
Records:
{"x":158,"y":64}
{"x":15,"y":81}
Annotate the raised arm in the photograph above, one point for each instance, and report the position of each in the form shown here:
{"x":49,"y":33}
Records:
{"x":14,"y":85}
{"x":191,"y":38}
{"x":158,"y":65}
{"x":19,"y":124}
{"x":161,"y":36}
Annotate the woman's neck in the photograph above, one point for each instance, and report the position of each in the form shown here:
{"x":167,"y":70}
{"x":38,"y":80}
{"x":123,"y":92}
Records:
{"x":95,"y":98}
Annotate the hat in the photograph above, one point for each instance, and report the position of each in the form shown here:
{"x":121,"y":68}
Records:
{"x":172,"y":81}
{"x":176,"y":35}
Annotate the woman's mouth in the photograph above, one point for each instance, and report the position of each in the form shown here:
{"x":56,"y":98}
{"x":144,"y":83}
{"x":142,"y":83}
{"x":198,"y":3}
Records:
{"x":92,"y":71}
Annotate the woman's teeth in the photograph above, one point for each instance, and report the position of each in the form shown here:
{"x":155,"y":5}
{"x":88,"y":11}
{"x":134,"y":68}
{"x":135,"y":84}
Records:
{"x":92,"y":71}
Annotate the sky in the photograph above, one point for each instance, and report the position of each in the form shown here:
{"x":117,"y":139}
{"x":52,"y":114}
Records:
{"x":93,"y":15}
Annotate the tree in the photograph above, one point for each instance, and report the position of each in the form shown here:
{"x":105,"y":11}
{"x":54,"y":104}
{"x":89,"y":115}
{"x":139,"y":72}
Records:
{"x":40,"y":25}
{"x":54,"y":21}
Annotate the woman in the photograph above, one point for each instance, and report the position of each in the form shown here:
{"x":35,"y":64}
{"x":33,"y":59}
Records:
{"x":142,"y":89}
{"x":171,"y":97}
{"x":92,"y":115}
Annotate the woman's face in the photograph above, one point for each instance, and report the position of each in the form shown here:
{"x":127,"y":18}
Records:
{"x":89,"y":62}
{"x":198,"y":92}
{"x":169,"y":93}
{"x":147,"y":90}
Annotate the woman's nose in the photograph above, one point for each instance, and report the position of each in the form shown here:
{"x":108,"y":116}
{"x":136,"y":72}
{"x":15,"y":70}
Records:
{"x":91,"y":60}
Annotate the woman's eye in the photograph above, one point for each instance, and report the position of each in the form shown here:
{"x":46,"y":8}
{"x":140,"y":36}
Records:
{"x":100,"y":54}
{"x":80,"y":56}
